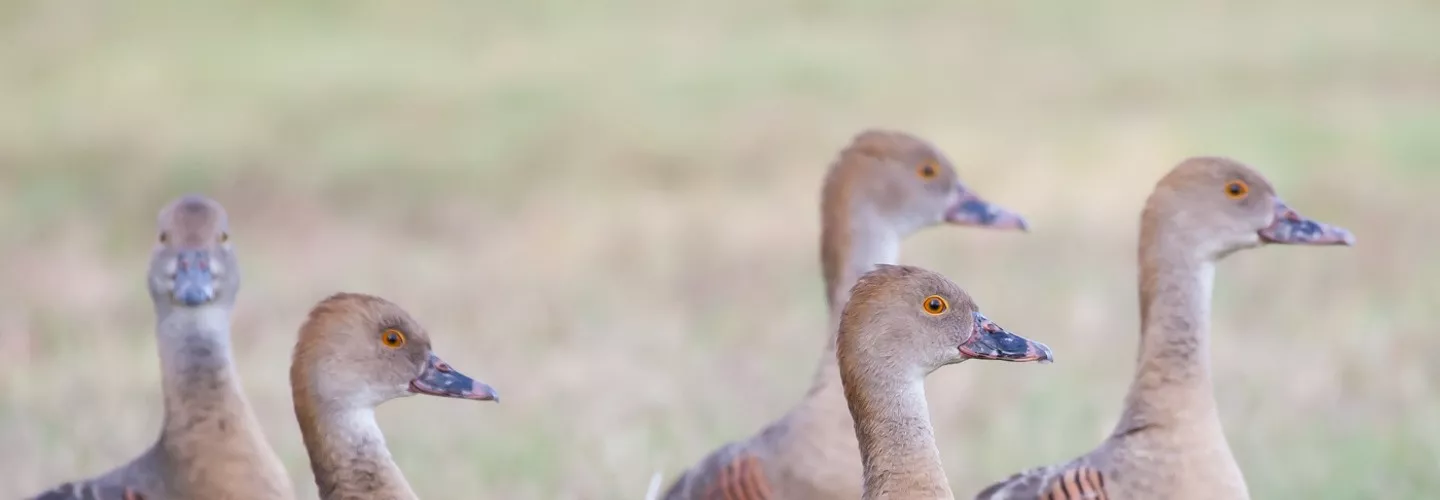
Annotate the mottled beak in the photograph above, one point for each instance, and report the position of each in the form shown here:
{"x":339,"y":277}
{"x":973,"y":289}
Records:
{"x":992,"y":342}
{"x":194,"y":283}
{"x":1290,"y":228}
{"x":439,"y":379}
{"x":970,"y":210}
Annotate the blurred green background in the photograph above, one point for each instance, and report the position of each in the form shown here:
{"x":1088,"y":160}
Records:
{"x":608,"y":210}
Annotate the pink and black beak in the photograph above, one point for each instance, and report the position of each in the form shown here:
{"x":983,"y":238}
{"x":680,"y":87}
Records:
{"x":439,"y":379}
{"x":1290,"y":228}
{"x":194,"y":281}
{"x":970,"y":210}
{"x":992,"y":342}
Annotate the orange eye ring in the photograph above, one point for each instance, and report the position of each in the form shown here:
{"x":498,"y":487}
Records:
{"x":1236,"y":189}
{"x":935,"y":305}
{"x":928,"y":170}
{"x":393,"y":338}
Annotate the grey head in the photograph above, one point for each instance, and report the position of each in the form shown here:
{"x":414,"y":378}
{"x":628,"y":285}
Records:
{"x":910,"y":184}
{"x":1220,"y":206}
{"x":193,"y":264}
{"x":905,"y":319}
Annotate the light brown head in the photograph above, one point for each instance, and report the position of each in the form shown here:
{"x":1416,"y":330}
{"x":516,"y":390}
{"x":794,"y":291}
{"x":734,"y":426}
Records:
{"x":909,"y":321}
{"x":1219,"y":206}
{"x":193,"y":263}
{"x":356,"y":351}
{"x":908,"y":184}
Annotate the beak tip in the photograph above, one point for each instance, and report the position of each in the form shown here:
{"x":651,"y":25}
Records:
{"x":1006,"y":219}
{"x":973,"y":211}
{"x":1046,"y":355}
{"x":193,"y":298}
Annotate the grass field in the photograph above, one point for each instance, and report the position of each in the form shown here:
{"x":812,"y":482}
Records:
{"x":608,"y":210}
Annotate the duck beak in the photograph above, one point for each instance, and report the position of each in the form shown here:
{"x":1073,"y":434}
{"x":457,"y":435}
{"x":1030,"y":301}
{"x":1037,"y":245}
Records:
{"x":1290,"y":228}
{"x":439,"y":379}
{"x":992,"y":342}
{"x":194,"y":283}
{"x":970,"y":210}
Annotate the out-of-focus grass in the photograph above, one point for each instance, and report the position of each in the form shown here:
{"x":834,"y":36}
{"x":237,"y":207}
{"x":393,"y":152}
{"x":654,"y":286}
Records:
{"x":607,"y":210}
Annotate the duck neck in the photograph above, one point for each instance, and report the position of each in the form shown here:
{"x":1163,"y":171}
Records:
{"x":852,"y":242}
{"x":1172,"y":383}
{"x":347,"y":451}
{"x":197,"y":373}
{"x":897,"y":441}
{"x":210,"y":439}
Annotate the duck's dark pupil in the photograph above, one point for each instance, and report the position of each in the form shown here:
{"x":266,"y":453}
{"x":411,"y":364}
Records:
{"x":929,"y":171}
{"x":391,"y":338}
{"x":934,"y":304}
{"x":1234,"y":189}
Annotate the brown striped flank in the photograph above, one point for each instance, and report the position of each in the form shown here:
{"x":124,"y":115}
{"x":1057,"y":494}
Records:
{"x":1078,"y":483}
{"x":741,"y":479}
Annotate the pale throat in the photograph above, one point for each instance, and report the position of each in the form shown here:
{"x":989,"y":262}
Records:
{"x":868,"y":242}
{"x":862,"y":240}
{"x":349,"y":432}
{"x":194,"y":341}
{"x":338,"y":437}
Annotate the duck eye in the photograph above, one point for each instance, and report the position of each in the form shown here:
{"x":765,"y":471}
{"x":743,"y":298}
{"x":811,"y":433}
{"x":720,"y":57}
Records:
{"x":224,"y":237}
{"x":928,"y":170}
{"x":1236,"y":189}
{"x":393,"y":338}
{"x":164,"y":236}
{"x":935,"y":304}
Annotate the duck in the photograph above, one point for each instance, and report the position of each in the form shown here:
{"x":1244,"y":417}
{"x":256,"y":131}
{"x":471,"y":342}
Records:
{"x":354,"y":352}
{"x":884,"y":186}
{"x":901,"y":324}
{"x":1169,"y":442}
{"x":211,"y":444}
